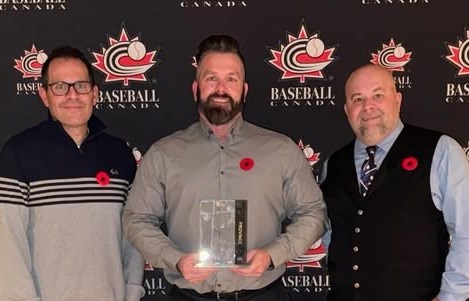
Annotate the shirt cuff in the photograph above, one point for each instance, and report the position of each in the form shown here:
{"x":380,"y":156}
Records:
{"x":277,"y":254}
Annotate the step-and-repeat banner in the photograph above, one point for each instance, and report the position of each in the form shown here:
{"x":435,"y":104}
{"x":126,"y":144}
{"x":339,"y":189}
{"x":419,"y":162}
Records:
{"x":298,"y":55}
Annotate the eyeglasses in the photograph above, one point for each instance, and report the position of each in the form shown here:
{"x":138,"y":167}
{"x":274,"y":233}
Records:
{"x":62,"y":88}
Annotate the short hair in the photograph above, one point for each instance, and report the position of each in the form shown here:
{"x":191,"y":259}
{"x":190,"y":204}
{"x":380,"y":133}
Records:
{"x":221,"y":44}
{"x":70,"y":53}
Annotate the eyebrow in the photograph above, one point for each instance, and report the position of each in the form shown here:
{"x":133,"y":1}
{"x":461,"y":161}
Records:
{"x":379,"y":89}
{"x":211,"y":72}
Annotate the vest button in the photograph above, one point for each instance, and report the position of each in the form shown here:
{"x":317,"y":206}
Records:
{"x":357,"y":230}
{"x":356,"y":285}
{"x":360,"y":212}
{"x":355,"y":249}
{"x":355,"y":267}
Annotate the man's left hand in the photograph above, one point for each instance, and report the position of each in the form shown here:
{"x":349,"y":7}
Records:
{"x":435,"y":299}
{"x":259,"y":260}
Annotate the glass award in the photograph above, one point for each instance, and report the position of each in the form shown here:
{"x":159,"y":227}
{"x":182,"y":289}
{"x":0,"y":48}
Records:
{"x":223,"y":233}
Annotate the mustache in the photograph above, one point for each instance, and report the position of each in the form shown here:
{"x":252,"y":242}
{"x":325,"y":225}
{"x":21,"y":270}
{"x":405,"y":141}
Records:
{"x":374,"y":114}
{"x":220,"y":95}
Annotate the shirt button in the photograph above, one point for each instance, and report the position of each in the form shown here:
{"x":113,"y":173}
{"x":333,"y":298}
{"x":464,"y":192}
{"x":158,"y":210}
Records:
{"x":355,"y":267}
{"x":360,"y":212}
{"x":357,"y":230}
{"x":222,"y":147}
{"x":219,"y":285}
{"x":356,"y":285}
{"x":355,"y":249}
{"x":222,"y":172}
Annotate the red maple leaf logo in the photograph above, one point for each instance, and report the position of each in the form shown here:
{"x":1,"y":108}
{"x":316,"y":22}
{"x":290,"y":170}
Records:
{"x":31,"y":63}
{"x":124,"y":60}
{"x":309,"y":153}
{"x":393,"y":57}
{"x":149,"y":267}
{"x":459,"y":55}
{"x":303,"y":57}
{"x":311,"y":259}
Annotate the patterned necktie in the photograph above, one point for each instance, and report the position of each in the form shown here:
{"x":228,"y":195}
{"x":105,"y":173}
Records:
{"x":368,"y":170}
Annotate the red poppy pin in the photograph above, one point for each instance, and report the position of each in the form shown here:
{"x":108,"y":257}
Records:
{"x":410,"y":163}
{"x":246,"y":164}
{"x":102,"y":178}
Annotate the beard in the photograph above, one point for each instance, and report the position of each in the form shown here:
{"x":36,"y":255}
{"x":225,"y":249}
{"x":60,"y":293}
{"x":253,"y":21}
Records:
{"x":370,"y":133}
{"x":374,"y":132}
{"x":218,"y":114}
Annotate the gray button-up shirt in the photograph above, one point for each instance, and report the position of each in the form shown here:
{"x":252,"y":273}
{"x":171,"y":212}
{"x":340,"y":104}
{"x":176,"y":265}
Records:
{"x":190,"y":165}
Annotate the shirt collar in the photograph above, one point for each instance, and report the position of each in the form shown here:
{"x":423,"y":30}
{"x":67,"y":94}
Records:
{"x":235,"y":129}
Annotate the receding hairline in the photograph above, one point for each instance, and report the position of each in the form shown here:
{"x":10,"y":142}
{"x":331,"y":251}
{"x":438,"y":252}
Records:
{"x":381,"y":70}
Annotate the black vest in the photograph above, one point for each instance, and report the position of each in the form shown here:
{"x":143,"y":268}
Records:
{"x":391,"y":244}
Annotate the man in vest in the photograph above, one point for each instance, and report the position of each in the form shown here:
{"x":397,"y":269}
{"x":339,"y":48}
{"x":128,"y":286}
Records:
{"x":398,"y":203}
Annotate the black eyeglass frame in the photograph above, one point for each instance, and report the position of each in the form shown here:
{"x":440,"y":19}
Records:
{"x":74,"y":84}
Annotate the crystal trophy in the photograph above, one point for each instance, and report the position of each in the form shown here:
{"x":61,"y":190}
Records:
{"x":223,"y":233}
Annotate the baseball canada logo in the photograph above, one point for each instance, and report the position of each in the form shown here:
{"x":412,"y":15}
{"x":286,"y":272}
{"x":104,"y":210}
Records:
{"x":154,"y":284}
{"x":31,"y":63}
{"x":309,"y":153}
{"x":459,"y":55}
{"x":393,"y":57}
{"x":126,"y":59}
{"x":458,"y":90}
{"x":305,"y":56}
{"x":311,"y":259}
{"x":317,"y":251}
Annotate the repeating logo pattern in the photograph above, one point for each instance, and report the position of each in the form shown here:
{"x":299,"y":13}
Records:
{"x":31,"y":63}
{"x":391,"y":56}
{"x":125,"y":59}
{"x":317,"y":251}
{"x":304,"y":56}
{"x":459,"y":55}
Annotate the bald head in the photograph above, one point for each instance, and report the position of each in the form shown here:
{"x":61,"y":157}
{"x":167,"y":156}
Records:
{"x":370,"y":69}
{"x":372,"y":103}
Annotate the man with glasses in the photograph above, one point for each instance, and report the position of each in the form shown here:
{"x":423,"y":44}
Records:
{"x":63,"y":184}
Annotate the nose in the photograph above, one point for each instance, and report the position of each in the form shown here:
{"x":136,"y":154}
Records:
{"x":368,"y":103}
{"x":221,"y":87}
{"x":71,"y":91}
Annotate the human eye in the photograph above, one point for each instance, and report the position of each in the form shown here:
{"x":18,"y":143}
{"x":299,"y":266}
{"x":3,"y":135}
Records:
{"x":82,"y":86}
{"x":357,"y":99}
{"x":211,"y":78}
{"x":60,"y":86}
{"x":232,"y":79}
{"x":378,"y":96}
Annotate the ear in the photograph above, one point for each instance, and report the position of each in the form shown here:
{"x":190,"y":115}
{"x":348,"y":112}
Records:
{"x":345,"y":108}
{"x":195,"y":85}
{"x":399,"y":100}
{"x":246,"y":87}
{"x":95,"y":94}
{"x":43,"y":95}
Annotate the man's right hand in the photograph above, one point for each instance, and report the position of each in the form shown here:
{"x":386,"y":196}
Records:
{"x":193,"y":274}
